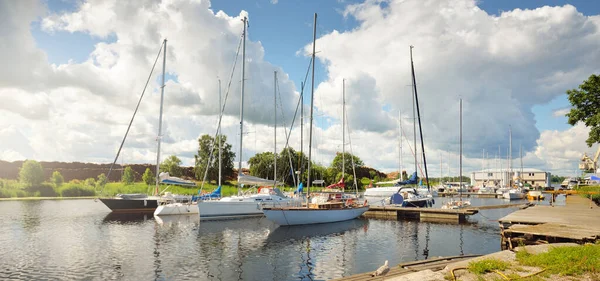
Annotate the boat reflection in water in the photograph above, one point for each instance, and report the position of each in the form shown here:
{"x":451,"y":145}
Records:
{"x":126,"y":218}
{"x":299,"y":232}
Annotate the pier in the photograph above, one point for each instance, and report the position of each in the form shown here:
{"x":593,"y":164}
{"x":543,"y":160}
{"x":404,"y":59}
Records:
{"x":469,"y":194}
{"x":434,"y":264}
{"x":422,"y":214}
{"x":578,"y":222}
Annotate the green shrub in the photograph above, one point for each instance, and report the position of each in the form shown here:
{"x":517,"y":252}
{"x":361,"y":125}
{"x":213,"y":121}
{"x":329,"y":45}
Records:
{"x":31,"y":173}
{"x":43,"y":190}
{"x":91,"y":182}
{"x":57,"y":179}
{"x":487,"y":265}
{"x":21,"y":193}
{"x":128,"y":177}
{"x":77,"y":190}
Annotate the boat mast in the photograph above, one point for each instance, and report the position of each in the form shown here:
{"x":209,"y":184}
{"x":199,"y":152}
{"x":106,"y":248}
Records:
{"x":460,"y":148}
{"x":219,"y":132}
{"x":275,"y":128}
{"x":162,"y":95}
{"x":414,"y":80}
{"x":312,"y":99}
{"x":521,"y":156}
{"x":414,"y":116}
{"x":400,"y":145}
{"x":301,"y":164}
{"x":510,"y":155}
{"x":343,"y":128}
{"x":245,"y":20}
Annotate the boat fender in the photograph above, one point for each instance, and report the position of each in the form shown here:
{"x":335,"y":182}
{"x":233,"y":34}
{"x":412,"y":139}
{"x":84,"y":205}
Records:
{"x":432,"y":202}
{"x":145,"y":203}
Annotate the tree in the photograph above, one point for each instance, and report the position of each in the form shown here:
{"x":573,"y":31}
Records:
{"x":148,"y":177}
{"x":172,"y":165}
{"x":31,"y":173}
{"x":336,"y":164}
{"x":128,"y":177}
{"x":586,"y":107}
{"x":57,"y":179}
{"x":205,"y":144}
{"x":101,"y":182}
{"x":262,"y":164}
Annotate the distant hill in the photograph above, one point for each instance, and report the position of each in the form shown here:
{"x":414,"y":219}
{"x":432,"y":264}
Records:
{"x":82,"y":171}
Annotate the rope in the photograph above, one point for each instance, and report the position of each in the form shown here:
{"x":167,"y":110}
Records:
{"x":132,"y":117}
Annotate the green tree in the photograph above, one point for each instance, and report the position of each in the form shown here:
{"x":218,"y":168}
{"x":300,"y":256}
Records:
{"x":586,"y":107}
{"x":90,"y":182}
{"x":336,"y":164}
{"x":261,"y":165}
{"x":205,"y":144}
{"x":31,"y":173}
{"x":57,"y":179}
{"x":172,"y":165}
{"x":128,"y":177}
{"x":148,"y":177}
{"x":101,"y":182}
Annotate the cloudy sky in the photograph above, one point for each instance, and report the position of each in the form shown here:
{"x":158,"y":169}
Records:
{"x":73,"y":71}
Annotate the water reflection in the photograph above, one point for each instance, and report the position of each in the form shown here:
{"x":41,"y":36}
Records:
{"x":301,"y":232}
{"x":126,"y":218}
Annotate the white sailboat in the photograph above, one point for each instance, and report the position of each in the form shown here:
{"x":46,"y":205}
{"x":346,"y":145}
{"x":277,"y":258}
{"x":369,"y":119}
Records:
{"x":314,"y":213}
{"x":244,"y":205}
{"x":512,"y":193}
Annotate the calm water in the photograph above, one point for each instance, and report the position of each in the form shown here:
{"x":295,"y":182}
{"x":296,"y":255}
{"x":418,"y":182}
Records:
{"x":80,"y":239}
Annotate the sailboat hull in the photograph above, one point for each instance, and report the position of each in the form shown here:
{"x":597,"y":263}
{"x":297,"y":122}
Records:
{"x":299,"y":216}
{"x":130,"y":205}
{"x":228,"y":210}
{"x":176,"y":209}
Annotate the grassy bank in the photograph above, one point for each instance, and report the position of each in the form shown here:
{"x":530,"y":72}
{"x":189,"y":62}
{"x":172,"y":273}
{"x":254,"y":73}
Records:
{"x":88,"y":188}
{"x":557,"y":263}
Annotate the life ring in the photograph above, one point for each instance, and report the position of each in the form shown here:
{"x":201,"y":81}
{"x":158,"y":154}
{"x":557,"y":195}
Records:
{"x":259,"y":188}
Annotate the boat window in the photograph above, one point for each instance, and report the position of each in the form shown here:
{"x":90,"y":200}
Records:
{"x":257,"y":199}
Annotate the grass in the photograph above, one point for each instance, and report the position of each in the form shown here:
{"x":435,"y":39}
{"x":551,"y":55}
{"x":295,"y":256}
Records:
{"x":487,"y":265}
{"x":571,"y":261}
{"x":591,"y":188}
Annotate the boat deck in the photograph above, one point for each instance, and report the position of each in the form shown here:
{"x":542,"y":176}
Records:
{"x":423,"y":214}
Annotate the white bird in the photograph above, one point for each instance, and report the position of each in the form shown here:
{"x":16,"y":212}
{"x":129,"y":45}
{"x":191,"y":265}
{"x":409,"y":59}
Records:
{"x":383,"y":270}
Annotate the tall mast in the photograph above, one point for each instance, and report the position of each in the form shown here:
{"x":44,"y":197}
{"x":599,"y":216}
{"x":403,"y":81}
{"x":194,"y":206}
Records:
{"x":343,"y":127}
{"x":412,"y":83}
{"x":275,"y":128}
{"x":521,"y":156}
{"x":301,"y":164}
{"x":414,"y":80}
{"x":400,"y":145}
{"x":162,"y":95}
{"x":510,"y":155}
{"x":245,"y":20}
{"x":312,"y":99}
{"x":460,"y":148}
{"x":219,"y":133}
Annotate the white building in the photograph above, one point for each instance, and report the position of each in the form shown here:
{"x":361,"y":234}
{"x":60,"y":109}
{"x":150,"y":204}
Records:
{"x":497,"y":177}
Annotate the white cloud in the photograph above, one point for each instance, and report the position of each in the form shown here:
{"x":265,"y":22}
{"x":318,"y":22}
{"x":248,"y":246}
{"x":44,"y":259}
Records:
{"x":274,"y":2}
{"x":500,"y":65}
{"x":561,"y":112}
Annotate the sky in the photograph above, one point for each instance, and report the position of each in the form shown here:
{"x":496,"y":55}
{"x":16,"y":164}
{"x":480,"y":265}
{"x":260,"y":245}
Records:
{"x":75,"y":69}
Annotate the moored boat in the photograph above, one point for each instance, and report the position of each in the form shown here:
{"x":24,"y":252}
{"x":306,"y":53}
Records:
{"x":131,"y":203}
{"x":535,"y":195}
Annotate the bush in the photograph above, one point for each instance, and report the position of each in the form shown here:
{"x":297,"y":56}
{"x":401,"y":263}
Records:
{"x":77,"y":190}
{"x":91,"y":182}
{"x":127,"y":176}
{"x":43,"y":190}
{"x":148,"y":177}
{"x":57,"y":179}
{"x":31,"y":173}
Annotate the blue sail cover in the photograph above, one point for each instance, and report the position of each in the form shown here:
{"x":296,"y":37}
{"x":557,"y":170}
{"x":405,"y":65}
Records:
{"x":215,"y":194}
{"x":300,"y":188}
{"x":411,"y":180}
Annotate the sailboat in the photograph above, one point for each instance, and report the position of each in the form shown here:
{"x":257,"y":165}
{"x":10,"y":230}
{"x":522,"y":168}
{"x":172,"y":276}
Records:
{"x":454,"y":204}
{"x":314,"y":213}
{"x":400,"y":194}
{"x":513,"y":193}
{"x":140,"y":202}
{"x":245,"y":205}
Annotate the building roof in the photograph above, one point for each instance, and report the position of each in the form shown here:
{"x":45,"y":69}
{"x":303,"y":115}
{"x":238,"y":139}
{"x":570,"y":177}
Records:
{"x":525,"y":170}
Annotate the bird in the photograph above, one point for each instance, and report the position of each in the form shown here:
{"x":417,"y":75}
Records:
{"x":383,"y":270}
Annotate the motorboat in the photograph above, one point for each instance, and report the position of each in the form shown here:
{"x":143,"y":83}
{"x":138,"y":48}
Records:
{"x":137,"y":202}
{"x":535,"y":195}
{"x":514,"y":194}
{"x":456,"y":204}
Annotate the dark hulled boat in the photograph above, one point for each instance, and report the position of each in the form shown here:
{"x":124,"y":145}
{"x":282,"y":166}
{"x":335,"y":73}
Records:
{"x":131,"y":203}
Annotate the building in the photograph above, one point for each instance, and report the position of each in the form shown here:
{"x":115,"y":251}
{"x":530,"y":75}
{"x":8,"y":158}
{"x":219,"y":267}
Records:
{"x":496,"y":177}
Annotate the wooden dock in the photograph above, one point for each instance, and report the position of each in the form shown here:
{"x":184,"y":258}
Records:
{"x":578,"y":221}
{"x":422,"y":214}
{"x":434,"y":264}
{"x":469,"y":194}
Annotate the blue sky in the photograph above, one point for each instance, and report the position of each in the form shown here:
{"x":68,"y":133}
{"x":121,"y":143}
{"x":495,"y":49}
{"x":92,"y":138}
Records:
{"x":284,"y":28}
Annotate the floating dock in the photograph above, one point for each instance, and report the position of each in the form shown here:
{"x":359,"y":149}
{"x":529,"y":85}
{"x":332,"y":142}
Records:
{"x":434,"y":264}
{"x":469,"y":194}
{"x":578,"y":222}
{"x":422,"y":214}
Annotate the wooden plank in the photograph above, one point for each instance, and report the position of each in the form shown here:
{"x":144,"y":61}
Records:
{"x":555,"y":230}
{"x":499,"y":206}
